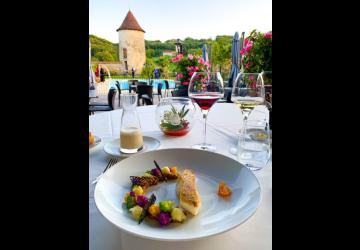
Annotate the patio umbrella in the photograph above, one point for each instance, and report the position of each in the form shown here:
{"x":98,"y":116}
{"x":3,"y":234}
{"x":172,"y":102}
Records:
{"x":205,"y":55}
{"x":235,"y":52}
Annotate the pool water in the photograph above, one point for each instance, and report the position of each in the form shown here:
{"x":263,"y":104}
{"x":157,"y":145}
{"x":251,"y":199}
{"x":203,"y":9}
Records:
{"x":125,"y":85}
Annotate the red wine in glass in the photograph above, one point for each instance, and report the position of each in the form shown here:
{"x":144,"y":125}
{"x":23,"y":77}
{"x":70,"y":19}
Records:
{"x":205,"y":101}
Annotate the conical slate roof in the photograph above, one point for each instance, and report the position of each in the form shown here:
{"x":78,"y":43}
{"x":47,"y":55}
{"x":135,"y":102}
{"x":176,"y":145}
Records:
{"x":130,"y":23}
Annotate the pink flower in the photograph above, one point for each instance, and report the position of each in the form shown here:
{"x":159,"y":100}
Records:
{"x":179,"y":76}
{"x":190,"y":56}
{"x":185,"y":83}
{"x":251,"y":78}
{"x":249,"y":46}
{"x":201,"y":60}
{"x":268,"y":35}
{"x":177,"y":58}
{"x":191,"y":73}
{"x":246,"y":41}
{"x":242,"y":51}
{"x":247,"y":66}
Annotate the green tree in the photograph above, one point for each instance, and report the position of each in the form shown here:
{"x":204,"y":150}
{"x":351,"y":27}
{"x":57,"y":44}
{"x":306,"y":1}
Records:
{"x":148,"y":69}
{"x":221,"y":53}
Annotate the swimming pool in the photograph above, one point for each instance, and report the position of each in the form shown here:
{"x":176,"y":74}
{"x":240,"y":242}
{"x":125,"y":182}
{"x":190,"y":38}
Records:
{"x":125,"y":85}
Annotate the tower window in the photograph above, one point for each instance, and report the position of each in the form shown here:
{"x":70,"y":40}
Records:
{"x":126,"y":66}
{"x":124,"y":53}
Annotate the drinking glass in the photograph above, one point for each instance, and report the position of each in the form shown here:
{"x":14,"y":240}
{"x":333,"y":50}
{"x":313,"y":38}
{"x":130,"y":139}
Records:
{"x":254,"y":150}
{"x":205,"y":89}
{"x":247,"y":93}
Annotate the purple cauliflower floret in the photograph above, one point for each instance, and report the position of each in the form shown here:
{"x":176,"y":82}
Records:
{"x":141,"y":200}
{"x":156,"y":172}
{"x":164,"y":218}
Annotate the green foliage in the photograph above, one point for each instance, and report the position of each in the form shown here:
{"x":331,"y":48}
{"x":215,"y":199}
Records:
{"x":103,"y":50}
{"x":148,"y":70}
{"x":258,"y":55}
{"x":221,"y":53}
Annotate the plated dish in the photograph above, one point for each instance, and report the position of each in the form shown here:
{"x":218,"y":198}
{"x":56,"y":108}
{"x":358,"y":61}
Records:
{"x":215,"y":215}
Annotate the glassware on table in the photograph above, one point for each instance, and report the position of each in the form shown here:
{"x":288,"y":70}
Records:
{"x":175,"y":115}
{"x":247,"y":93}
{"x":131,"y":139}
{"x":254,"y":151}
{"x":206,"y":89}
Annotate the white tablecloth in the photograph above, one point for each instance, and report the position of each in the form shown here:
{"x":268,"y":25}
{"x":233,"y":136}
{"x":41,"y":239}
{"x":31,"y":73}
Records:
{"x":224,"y":120}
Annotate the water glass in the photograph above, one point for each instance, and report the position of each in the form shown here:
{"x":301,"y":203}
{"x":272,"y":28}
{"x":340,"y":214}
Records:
{"x":254,"y":150}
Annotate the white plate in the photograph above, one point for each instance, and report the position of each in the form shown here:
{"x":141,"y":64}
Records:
{"x":97,"y":140}
{"x":216,"y":214}
{"x":113,"y":147}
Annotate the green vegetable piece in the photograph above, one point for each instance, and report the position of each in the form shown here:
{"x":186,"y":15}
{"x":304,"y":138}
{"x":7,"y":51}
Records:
{"x":166,"y":206}
{"x":130,"y":202}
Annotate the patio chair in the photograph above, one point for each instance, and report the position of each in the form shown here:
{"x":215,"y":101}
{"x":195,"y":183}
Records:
{"x":180,"y":92}
{"x":144,"y":90}
{"x":167,"y":87}
{"x":159,"y":88}
{"x":117,"y":84}
{"x":108,"y":107}
{"x":147,"y":100}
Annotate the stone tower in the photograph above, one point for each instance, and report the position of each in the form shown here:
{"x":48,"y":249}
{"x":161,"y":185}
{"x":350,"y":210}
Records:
{"x":131,"y":44}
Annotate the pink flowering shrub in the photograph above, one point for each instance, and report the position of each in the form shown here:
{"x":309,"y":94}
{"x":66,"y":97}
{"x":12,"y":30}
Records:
{"x":257,"y":52}
{"x":187,"y":65}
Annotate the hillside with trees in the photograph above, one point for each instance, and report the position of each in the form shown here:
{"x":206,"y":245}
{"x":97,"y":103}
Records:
{"x":219,"y":48}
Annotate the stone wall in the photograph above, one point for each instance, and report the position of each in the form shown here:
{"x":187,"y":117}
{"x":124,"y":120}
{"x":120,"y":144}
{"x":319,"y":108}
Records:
{"x":117,"y":67}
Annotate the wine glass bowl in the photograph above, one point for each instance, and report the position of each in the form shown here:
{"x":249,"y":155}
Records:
{"x":206,"y":89}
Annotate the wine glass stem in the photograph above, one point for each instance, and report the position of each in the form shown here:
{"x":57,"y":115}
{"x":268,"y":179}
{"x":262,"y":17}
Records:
{"x":204,"y":112}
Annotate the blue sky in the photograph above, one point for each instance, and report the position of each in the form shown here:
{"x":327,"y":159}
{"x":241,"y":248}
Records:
{"x":171,"y":19}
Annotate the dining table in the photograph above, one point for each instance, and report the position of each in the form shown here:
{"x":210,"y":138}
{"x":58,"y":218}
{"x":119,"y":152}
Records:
{"x":223,"y":122}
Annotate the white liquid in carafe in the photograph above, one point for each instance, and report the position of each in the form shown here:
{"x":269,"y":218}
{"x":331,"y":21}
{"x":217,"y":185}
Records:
{"x":131,"y":138}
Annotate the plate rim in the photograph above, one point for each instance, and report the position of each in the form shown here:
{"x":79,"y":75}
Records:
{"x":96,"y":191}
{"x":123,"y":155}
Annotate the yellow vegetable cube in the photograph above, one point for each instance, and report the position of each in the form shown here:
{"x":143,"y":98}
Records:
{"x":165,"y":170}
{"x":177,"y":214}
{"x":138,"y":190}
{"x":136,"y":212}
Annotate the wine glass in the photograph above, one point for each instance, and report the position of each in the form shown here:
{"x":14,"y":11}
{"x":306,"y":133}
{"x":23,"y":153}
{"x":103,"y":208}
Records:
{"x":247,"y":93}
{"x":205,"y":89}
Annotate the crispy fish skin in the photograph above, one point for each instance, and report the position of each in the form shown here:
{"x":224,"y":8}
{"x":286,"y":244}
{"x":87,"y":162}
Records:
{"x":188,"y":193}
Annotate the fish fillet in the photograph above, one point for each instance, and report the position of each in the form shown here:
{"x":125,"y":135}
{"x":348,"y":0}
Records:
{"x":187,"y":192}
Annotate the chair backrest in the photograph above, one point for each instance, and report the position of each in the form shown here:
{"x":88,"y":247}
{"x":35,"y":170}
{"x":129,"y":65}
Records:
{"x":159,"y":87}
{"x":180,"y":92}
{"x":145,"y":89}
{"x":142,"y":83}
{"x":117,"y":84}
{"x":111,"y":97}
{"x":167,"y":86}
{"x":147,"y":100}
